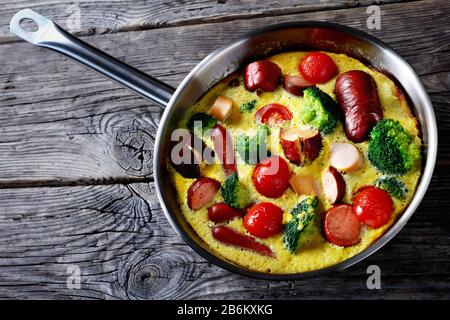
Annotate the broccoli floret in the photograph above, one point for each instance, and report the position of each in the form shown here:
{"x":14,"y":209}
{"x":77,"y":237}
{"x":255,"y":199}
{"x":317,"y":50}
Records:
{"x":201,"y":122}
{"x":248,"y":106}
{"x":394,"y":186}
{"x":302,"y":215}
{"x":391,"y":149}
{"x":305,"y":207}
{"x":319,"y":110}
{"x":291,"y":235}
{"x":234,"y":192}
{"x":253,"y":149}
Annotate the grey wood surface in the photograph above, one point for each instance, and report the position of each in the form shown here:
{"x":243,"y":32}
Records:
{"x":76,"y":154}
{"x":106,"y":16}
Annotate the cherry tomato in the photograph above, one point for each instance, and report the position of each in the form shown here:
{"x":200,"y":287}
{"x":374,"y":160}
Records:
{"x":373,"y":207}
{"x":317,"y":67}
{"x":271,"y":177}
{"x":273,"y":114}
{"x":264,"y":220}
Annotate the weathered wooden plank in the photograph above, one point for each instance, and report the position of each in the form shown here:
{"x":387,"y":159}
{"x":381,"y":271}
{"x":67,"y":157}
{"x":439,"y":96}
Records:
{"x":125,"y":249}
{"x":88,"y":17}
{"x":98,"y":229}
{"x":61,"y":124}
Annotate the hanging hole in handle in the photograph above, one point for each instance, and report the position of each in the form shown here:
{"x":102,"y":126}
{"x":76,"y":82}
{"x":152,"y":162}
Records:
{"x":28,"y":25}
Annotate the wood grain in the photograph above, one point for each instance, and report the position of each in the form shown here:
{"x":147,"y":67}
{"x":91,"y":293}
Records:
{"x":60,"y":123}
{"x":119,"y":238}
{"x":104,"y":16}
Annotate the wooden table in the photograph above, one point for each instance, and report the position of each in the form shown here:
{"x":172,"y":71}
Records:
{"x":76,"y":179}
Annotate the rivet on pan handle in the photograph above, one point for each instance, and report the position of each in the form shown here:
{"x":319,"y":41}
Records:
{"x":50,"y":35}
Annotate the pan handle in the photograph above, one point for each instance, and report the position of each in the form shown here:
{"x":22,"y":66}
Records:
{"x":50,"y":35}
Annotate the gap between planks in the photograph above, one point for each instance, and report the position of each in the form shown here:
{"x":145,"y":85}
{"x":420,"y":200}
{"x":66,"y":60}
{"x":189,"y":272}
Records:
{"x":74,"y":183}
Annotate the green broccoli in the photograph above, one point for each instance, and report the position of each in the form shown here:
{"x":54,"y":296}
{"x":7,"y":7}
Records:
{"x":302,"y":215}
{"x":234,"y":192}
{"x":201,"y":122}
{"x":394,"y":186}
{"x":319,"y":110}
{"x":248,"y":106}
{"x":291,"y":234}
{"x":391,"y":149}
{"x":253,"y":149}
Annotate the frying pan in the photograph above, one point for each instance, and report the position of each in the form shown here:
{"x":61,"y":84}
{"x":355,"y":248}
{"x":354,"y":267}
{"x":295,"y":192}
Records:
{"x":220,"y":63}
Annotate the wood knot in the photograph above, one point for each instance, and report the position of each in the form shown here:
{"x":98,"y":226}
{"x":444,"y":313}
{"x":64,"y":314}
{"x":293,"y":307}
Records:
{"x":133,"y":149}
{"x":167,"y":273}
{"x":131,"y":209}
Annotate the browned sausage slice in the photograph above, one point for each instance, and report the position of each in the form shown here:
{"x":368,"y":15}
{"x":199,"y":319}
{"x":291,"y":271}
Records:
{"x":295,"y":85}
{"x":232,"y":237}
{"x":300,"y":143}
{"x":201,"y":192}
{"x":223,"y":144}
{"x":188,"y":153}
{"x":356,"y":93}
{"x":341,"y":226}
{"x":264,"y":75}
{"x":333,"y":185}
{"x":221,"y":212}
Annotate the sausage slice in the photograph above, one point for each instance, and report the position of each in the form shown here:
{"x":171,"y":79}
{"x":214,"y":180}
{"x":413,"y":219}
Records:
{"x":188,"y":153}
{"x":333,"y":185}
{"x":223,"y":145}
{"x":345,"y":157}
{"x":300,"y":144}
{"x":341,"y":226}
{"x":263,"y":75}
{"x":221,"y":212}
{"x":232,"y":237}
{"x":201,"y":191}
{"x":295,"y":85}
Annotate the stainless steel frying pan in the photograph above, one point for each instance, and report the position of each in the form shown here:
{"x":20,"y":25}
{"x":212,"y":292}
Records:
{"x":268,"y":41}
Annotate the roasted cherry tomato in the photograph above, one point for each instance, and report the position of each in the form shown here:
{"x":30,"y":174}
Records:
{"x":264,"y":220}
{"x":273,"y":114}
{"x":271,"y":177}
{"x":317,"y":67}
{"x":373,"y":206}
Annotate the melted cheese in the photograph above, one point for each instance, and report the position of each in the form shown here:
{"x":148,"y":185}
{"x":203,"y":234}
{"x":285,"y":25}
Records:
{"x":314,"y":251}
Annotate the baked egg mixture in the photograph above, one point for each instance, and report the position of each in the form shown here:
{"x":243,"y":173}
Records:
{"x":317,"y":244}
